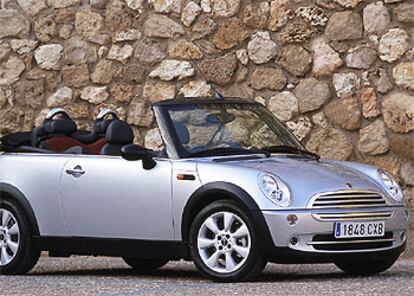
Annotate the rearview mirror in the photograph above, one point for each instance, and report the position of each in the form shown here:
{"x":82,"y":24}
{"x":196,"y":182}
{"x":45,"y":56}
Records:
{"x":221,"y":118}
{"x":134,"y":152}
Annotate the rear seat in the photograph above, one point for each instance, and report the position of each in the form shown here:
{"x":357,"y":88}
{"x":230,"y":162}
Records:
{"x":60,"y":134}
{"x":55,"y":134}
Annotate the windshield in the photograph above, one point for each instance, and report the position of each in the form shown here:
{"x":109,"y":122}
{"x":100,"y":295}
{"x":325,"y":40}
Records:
{"x":227,"y":127}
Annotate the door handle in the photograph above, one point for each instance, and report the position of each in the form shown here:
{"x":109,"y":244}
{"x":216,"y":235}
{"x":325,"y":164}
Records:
{"x":76,"y":172}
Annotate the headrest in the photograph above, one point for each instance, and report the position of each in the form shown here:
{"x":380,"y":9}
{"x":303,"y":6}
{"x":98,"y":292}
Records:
{"x":60,"y":127}
{"x":101,"y":126}
{"x":119,"y":132}
{"x":182,"y":132}
{"x":102,"y":121}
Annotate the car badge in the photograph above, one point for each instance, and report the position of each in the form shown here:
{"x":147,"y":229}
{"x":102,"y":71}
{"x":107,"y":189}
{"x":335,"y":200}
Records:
{"x":349,"y":185}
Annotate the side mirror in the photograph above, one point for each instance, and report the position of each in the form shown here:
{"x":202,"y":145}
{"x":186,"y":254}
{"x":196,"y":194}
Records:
{"x":133,"y":152}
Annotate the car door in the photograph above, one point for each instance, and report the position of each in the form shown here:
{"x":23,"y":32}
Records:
{"x":109,"y":197}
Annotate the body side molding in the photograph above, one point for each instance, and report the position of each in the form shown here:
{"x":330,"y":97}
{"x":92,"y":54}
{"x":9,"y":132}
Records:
{"x":132,"y":248}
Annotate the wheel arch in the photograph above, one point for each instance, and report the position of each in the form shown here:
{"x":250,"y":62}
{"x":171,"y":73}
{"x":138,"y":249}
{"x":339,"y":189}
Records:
{"x":215,"y":191}
{"x":14,"y":194}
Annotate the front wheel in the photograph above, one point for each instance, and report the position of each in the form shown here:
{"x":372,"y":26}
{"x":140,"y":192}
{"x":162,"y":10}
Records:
{"x":223,"y":243}
{"x":369,"y":266}
{"x":144,"y":264}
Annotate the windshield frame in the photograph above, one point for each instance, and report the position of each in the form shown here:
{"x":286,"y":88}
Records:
{"x":174,"y":148}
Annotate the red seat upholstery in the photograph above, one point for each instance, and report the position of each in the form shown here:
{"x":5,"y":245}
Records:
{"x":95,"y":147}
{"x":60,"y":143}
{"x":63,"y":143}
{"x":61,"y":135}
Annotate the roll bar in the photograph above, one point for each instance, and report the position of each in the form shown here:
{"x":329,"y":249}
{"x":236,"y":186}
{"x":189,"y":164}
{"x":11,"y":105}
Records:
{"x":56,"y":111}
{"x":106,"y":112}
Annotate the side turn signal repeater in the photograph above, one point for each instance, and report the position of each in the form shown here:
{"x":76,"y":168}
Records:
{"x":185,"y":177}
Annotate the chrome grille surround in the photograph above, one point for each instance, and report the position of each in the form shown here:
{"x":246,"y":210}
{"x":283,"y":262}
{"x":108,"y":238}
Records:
{"x":347,"y":199}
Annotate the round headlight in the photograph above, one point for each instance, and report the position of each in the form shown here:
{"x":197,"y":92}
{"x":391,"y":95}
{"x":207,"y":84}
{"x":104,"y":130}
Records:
{"x":275,"y":189}
{"x":391,"y":185}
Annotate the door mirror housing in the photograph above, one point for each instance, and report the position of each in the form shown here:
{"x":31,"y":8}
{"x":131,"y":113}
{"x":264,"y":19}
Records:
{"x":134,"y":152}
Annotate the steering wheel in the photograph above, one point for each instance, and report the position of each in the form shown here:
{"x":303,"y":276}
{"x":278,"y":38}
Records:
{"x":210,"y":143}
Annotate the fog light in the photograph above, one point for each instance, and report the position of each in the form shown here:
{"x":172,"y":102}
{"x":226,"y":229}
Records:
{"x":294,"y":241}
{"x":292,"y":219}
{"x":402,"y":236}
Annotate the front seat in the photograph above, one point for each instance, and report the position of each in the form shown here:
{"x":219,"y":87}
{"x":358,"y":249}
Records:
{"x":95,"y":140}
{"x":102,"y":121}
{"x":118,"y":134}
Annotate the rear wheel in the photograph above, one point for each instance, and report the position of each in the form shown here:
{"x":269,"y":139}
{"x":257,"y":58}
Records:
{"x":223,"y":243}
{"x":145,"y":264}
{"x":368,"y":266}
{"x":17,"y":253}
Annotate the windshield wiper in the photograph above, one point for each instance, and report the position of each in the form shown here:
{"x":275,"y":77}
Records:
{"x":229,"y":150}
{"x":291,"y":149}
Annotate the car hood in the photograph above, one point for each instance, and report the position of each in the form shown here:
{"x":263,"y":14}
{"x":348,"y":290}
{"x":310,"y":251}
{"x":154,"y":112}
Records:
{"x":306,"y":176}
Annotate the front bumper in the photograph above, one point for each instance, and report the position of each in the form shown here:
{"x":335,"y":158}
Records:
{"x":313,"y":232}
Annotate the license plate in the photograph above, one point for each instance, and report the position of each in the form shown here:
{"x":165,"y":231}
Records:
{"x":359,"y":229}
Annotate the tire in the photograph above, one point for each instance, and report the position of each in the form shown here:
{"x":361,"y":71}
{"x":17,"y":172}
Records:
{"x":145,"y":264}
{"x":365,"y":267}
{"x":227,"y":254}
{"x":23,"y":258}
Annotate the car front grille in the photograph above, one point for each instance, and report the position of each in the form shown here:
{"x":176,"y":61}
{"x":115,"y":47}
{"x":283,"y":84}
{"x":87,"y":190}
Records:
{"x":328,"y":242}
{"x":348,"y":199}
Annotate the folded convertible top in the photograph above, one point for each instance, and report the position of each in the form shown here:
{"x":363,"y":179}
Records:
{"x":13,"y":141}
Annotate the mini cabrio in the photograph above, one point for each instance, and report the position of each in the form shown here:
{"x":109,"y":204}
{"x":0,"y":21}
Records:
{"x":232,"y":190}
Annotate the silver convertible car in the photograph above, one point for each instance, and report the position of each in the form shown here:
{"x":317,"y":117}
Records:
{"x":232,"y":190}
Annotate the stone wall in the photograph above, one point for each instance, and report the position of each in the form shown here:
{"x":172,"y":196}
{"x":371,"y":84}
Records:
{"x":340,"y":73}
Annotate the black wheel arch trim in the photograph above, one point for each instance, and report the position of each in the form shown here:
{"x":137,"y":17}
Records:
{"x":17,"y":195}
{"x":235,"y":193}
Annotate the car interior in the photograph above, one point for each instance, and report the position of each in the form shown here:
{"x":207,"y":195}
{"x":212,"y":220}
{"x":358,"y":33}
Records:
{"x":59,"y":134}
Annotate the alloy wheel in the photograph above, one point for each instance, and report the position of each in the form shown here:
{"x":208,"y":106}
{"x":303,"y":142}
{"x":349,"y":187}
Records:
{"x":9,"y":237}
{"x":224,"y":242}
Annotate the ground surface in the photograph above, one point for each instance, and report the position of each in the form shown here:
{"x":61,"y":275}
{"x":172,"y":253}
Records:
{"x":110,"y":276}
